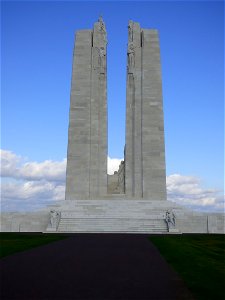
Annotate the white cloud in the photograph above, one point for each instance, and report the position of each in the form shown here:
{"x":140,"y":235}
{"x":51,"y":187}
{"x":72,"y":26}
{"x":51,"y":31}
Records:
{"x":33,"y":182}
{"x":14,"y":166}
{"x":30,"y":195}
{"x":9,"y":163}
{"x":33,"y":190}
{"x":113,"y":165}
{"x":187,"y":191}
{"x":49,"y":170}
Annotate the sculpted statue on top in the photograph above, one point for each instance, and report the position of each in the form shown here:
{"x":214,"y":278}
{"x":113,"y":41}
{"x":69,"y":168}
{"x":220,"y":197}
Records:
{"x":102,"y":28}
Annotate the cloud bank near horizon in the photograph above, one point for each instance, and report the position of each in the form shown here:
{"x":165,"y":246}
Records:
{"x":30,"y":185}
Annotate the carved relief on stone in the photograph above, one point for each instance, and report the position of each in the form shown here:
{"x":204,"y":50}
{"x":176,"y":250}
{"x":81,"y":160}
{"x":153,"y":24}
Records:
{"x":102,"y":59}
{"x":54,"y":219}
{"x":170,"y":219}
{"x":131,"y":58}
{"x":95,"y":58}
{"x":99,"y":59}
{"x":130,"y":31}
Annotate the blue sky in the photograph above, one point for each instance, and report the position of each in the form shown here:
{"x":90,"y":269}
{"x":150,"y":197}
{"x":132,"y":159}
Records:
{"x":37,"y":47}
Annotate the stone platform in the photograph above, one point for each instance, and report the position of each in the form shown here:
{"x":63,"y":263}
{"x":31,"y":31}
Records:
{"x":116,"y":215}
{"x":111,"y":216}
{"x":132,"y":216}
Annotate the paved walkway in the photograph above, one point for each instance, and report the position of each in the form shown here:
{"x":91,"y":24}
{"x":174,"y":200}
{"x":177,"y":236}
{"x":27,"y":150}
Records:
{"x":91,"y":266}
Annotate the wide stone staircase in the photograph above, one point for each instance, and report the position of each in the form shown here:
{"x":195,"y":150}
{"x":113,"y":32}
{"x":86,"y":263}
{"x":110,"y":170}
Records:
{"x":131,"y":216}
{"x":111,"y":225}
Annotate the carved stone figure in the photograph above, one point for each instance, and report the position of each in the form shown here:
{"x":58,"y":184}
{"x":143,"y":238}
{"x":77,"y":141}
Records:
{"x":101,"y":24}
{"x":170,"y":219}
{"x":130,"y":53}
{"x":54,"y":218}
{"x":102,"y":59}
{"x":102,"y":29}
{"x":130,"y":31}
{"x":173,"y":218}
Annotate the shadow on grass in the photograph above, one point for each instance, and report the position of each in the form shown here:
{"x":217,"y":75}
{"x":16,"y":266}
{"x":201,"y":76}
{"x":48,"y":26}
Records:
{"x":199,"y":259}
{"x":17,"y":242}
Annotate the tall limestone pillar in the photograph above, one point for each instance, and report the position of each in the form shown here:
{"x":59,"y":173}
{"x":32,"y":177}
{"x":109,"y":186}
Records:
{"x":133,"y":152}
{"x":86,"y":174}
{"x":145,"y":150}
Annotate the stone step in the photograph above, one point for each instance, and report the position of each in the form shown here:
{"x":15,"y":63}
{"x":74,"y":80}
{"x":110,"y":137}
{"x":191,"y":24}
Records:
{"x":131,"y":214}
{"x":100,"y":230}
{"x":111,"y":225}
{"x":106,"y":220}
{"x":93,"y":227}
{"x":113,"y":219}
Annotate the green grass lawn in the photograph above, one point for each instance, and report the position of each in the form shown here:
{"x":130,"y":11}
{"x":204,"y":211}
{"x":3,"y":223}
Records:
{"x":200,"y":261}
{"x":16,"y":242}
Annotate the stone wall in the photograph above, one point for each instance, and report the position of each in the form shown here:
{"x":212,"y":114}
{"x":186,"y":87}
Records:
{"x":116,"y":182}
{"x":113,"y":187}
{"x":24,"y":222}
{"x":202,"y":223}
{"x":121,"y":177}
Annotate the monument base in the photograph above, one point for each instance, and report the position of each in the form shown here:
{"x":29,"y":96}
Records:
{"x":49,"y":229}
{"x":133,"y":216}
{"x":174,"y":231}
{"x":113,"y":216}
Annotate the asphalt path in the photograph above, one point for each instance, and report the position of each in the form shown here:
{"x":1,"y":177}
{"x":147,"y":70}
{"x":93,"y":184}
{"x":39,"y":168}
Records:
{"x":91,"y":266}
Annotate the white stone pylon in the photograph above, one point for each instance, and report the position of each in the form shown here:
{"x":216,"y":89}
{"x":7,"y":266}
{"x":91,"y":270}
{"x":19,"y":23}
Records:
{"x":145,"y":176}
{"x":86,"y":175}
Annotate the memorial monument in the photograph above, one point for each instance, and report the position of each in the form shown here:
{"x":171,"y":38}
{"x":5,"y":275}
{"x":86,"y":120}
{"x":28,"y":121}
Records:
{"x":144,"y":169}
{"x":133,"y":200}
